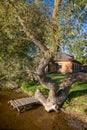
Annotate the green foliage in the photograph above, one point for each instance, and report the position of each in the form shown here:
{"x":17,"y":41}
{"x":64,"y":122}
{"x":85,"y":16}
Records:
{"x":72,"y":30}
{"x":31,"y":86}
{"x":17,"y":54}
{"x":80,"y":45}
{"x":31,"y":14}
{"x":13,"y":39}
{"x":78,"y":3}
{"x":28,"y":87}
{"x":14,"y":71}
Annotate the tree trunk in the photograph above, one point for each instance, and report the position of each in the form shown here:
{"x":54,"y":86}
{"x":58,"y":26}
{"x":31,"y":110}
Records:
{"x":57,"y":95}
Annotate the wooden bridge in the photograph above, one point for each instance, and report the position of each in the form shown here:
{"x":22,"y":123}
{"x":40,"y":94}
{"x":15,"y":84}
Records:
{"x":23,"y":103}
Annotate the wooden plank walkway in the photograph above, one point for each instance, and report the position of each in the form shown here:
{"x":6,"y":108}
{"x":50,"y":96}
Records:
{"x":23,"y":103}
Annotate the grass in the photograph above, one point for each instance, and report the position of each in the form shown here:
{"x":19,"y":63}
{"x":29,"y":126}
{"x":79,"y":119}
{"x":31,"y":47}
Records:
{"x":31,"y":86}
{"x":77,"y":99}
{"x":56,"y":77}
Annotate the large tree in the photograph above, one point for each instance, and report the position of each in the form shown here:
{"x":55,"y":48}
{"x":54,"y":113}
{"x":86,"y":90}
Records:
{"x":22,"y":20}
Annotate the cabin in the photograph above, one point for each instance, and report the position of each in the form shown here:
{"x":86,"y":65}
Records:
{"x":63,"y":63}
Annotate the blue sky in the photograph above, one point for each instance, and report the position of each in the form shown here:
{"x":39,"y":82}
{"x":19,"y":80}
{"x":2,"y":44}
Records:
{"x":49,"y":3}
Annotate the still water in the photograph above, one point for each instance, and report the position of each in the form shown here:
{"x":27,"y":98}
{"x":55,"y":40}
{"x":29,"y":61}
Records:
{"x":34,"y":119}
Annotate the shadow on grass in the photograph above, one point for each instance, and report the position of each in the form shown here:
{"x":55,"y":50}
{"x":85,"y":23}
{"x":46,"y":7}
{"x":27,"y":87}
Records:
{"x":81,"y":83}
{"x":86,"y":111}
{"x":57,"y":78}
{"x":77,"y":93}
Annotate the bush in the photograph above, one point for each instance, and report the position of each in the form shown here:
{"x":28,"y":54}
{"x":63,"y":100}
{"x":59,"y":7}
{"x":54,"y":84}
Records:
{"x":15,"y":71}
{"x":31,"y":86}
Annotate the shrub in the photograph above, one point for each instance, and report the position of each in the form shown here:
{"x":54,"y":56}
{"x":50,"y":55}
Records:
{"x":31,"y":86}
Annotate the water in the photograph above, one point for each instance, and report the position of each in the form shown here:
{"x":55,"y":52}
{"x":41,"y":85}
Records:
{"x":34,"y":119}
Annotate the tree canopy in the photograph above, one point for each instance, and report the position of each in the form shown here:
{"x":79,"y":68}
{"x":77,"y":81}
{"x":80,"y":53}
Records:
{"x":17,"y":14}
{"x":31,"y":29}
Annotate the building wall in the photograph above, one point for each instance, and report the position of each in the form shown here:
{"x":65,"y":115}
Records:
{"x":64,"y":67}
{"x":64,"y":63}
{"x":76,"y":67}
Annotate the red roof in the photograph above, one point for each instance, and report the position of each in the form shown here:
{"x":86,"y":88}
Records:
{"x":65,"y":57}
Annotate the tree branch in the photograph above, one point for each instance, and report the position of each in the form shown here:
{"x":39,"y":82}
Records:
{"x":41,"y":46}
{"x":55,"y":12}
{"x":66,"y":85}
{"x":76,"y":77}
{"x":56,"y":99}
{"x":31,"y":37}
{"x":54,"y":26}
{"x":41,"y":73}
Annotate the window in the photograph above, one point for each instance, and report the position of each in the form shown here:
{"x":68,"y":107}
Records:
{"x":58,"y":66}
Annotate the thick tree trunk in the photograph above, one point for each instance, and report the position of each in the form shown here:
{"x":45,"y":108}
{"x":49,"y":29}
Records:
{"x":57,"y":95}
{"x":49,"y":102}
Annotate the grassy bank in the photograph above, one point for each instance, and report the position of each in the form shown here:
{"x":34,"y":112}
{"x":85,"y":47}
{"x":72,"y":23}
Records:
{"x":77,"y":99}
{"x":31,"y":86}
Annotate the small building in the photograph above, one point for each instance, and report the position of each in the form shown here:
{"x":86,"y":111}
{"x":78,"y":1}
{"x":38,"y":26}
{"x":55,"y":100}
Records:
{"x":63,"y":63}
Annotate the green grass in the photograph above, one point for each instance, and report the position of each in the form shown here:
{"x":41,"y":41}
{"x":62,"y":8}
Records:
{"x":30,"y":87}
{"x":56,"y":77}
{"x":77,"y":99}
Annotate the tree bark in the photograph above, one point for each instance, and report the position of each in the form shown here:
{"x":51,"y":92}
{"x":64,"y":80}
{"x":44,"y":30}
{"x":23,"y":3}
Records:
{"x":56,"y":96}
{"x":66,"y":85}
{"x":47,"y":84}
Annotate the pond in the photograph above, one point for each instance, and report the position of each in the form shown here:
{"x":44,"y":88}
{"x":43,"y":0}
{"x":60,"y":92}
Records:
{"x":34,"y":119}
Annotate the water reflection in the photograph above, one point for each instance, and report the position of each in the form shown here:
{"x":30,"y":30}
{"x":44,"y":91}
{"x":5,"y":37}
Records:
{"x":35,"y":119}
